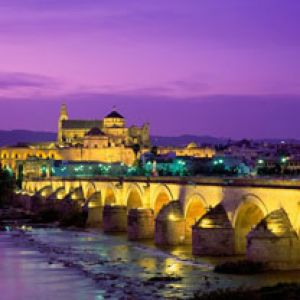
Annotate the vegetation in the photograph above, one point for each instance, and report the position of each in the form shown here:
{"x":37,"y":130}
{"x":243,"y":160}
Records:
{"x":281,"y":291}
{"x":165,"y":278}
{"x":75,"y":218}
{"x":7,"y":185}
{"x":240,"y":267}
{"x":47,"y":215}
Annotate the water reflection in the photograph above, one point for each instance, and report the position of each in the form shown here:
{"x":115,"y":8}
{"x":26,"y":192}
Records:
{"x":120,"y":267}
{"x":172,"y":267}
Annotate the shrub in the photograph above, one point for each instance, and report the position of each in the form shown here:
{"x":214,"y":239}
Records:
{"x":77,"y":219}
{"x":281,"y":291}
{"x":47,"y":215}
{"x":240,"y":267}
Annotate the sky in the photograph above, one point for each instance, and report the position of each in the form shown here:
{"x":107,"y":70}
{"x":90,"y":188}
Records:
{"x":207,"y":67}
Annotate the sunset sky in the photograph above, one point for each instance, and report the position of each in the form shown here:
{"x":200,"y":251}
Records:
{"x":208,"y":67}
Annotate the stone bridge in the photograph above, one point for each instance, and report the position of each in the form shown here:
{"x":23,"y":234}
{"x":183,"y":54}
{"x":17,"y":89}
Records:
{"x":259,"y":217}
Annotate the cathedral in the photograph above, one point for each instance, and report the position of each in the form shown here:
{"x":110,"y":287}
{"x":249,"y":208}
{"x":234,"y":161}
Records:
{"x":107,"y":141}
{"x":104,"y":141}
{"x":110,"y":131}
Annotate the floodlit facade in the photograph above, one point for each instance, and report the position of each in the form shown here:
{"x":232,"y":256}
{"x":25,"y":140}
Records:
{"x":107,"y":141}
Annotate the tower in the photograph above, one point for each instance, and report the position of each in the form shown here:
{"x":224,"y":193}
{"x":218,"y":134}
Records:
{"x":62,"y":117}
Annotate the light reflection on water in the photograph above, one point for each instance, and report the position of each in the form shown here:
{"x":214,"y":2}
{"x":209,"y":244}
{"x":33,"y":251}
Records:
{"x":25,"y":274}
{"x":118,"y":265}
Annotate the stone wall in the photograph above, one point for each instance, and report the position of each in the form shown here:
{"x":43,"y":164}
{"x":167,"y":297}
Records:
{"x":140,"y":224}
{"x":114,"y":218}
{"x":213,"y":234}
{"x":275,"y":242}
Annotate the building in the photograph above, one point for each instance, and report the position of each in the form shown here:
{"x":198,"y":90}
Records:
{"x":104,"y":141}
{"x":192,"y":149}
{"x":112,"y":127}
{"x":107,"y":141}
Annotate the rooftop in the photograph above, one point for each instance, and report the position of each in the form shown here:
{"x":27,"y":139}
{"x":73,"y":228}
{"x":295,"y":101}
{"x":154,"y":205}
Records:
{"x":114,"y":114}
{"x":94,"y":132}
{"x":86,"y":124}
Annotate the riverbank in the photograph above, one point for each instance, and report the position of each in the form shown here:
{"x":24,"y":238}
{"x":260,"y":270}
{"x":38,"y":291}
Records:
{"x":25,"y":273}
{"x":108,"y":266}
{"x":115,"y":268}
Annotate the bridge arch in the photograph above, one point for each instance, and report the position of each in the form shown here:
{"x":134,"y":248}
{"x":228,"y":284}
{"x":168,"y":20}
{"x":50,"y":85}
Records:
{"x":89,"y":189}
{"x":95,"y":199}
{"x":31,"y":188}
{"x":59,"y":194}
{"x":134,"y":197}
{"x":25,"y":186}
{"x":247,"y":215}
{"x":77,"y":193}
{"x":161,"y":197}
{"x":110,"y":195}
{"x":194,"y":208}
{"x":45,"y":191}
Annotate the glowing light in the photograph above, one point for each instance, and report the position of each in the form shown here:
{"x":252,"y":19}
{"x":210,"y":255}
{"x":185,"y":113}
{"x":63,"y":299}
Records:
{"x":172,"y":267}
{"x":173,"y":217}
{"x":284,"y":159}
{"x":260,"y":161}
{"x":206,"y":223}
{"x":93,"y":204}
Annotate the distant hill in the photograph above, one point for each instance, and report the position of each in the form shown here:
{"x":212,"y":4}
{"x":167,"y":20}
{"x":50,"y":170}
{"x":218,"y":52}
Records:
{"x":183,"y":140}
{"x":25,"y":136}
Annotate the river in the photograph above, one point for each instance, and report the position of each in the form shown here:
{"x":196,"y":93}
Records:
{"x":51,"y":263}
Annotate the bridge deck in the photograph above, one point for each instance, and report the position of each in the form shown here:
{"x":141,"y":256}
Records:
{"x":285,"y":183}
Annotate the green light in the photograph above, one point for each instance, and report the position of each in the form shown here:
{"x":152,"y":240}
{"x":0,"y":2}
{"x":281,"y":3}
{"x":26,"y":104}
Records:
{"x":283,"y":159}
{"x":260,"y":161}
{"x":221,"y":161}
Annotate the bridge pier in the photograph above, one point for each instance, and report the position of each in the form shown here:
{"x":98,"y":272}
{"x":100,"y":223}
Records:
{"x":213,"y":234}
{"x":274,"y":242}
{"x":94,"y":215}
{"x":140,"y":224}
{"x":170,"y":225}
{"x":114,"y":218}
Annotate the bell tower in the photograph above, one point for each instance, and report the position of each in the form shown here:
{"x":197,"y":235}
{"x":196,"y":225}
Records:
{"x":62,"y":117}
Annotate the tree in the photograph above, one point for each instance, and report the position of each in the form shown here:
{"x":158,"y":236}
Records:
{"x":7,"y":185}
{"x":136,"y":148}
{"x":154,"y":150}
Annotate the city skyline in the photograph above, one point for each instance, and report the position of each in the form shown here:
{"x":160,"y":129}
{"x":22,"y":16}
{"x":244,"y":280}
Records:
{"x":227,"y":70}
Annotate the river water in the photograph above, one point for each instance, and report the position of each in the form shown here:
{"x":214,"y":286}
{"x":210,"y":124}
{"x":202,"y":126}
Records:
{"x":51,"y":263}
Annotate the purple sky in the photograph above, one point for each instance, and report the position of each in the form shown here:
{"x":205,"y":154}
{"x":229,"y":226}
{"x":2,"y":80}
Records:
{"x":212,"y":67}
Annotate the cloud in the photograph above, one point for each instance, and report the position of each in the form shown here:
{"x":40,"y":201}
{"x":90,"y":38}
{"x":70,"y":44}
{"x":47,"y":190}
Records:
{"x":229,"y":23}
{"x":176,"y":88}
{"x":15,"y":80}
{"x":235,"y":116}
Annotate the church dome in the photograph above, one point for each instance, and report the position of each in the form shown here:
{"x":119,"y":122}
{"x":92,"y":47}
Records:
{"x":114,"y":115}
{"x":191,"y":145}
{"x":95,"y":131}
